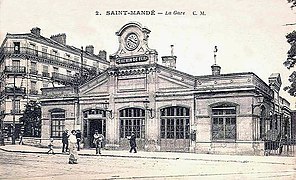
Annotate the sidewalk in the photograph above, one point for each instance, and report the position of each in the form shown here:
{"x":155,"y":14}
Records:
{"x":160,"y":155}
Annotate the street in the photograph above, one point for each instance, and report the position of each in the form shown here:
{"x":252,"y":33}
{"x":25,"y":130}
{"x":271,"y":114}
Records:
{"x":43,"y":166}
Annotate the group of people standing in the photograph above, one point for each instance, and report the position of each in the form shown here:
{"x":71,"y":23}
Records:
{"x":65,"y":140}
{"x":71,"y":142}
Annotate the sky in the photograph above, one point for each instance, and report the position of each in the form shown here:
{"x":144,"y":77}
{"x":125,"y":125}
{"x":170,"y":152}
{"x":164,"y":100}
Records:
{"x":250,"y":35}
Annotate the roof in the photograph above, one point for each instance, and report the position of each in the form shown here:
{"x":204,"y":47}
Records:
{"x":57,"y":44}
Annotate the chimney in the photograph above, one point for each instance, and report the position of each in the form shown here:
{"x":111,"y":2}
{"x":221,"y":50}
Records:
{"x":170,"y":61}
{"x":103,"y":54}
{"x":61,"y":38}
{"x":215,"y":69}
{"x":89,"y":49}
{"x":36,"y":31}
{"x":275,"y":82}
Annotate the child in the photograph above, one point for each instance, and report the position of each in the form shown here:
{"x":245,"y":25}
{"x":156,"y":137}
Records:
{"x":50,"y":146}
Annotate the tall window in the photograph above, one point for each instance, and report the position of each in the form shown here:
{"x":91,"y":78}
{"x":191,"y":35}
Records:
{"x":55,"y":54}
{"x":34,"y":68}
{"x":15,"y":65}
{"x":16,"y":47}
{"x":67,"y":56}
{"x":44,"y":52}
{"x":132,"y":120}
{"x":45,"y":71}
{"x":175,"y":123}
{"x":33,"y":85}
{"x":33,"y":49}
{"x":224,"y":123}
{"x":57,"y":123}
{"x":16,"y":107}
{"x":69,"y":73}
{"x":55,"y":69}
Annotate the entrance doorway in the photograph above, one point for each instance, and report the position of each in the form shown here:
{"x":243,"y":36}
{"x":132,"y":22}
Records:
{"x":175,"y":129}
{"x":96,"y":124}
{"x":94,"y":119}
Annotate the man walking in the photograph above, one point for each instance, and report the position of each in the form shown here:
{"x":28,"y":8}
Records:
{"x":1,"y":139}
{"x":98,"y":139}
{"x":65,"y":141}
{"x":78,"y":137}
{"x":133,"y":143}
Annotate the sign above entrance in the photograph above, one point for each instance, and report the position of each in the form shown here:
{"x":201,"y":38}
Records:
{"x":133,"y":59}
{"x":95,"y":116}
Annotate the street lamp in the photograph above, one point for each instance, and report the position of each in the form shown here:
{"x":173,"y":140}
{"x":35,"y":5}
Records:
{"x":13,"y":109}
{"x":106,"y":104}
{"x":146,"y":105}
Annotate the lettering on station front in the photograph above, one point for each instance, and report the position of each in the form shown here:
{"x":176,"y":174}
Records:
{"x":131,"y":59}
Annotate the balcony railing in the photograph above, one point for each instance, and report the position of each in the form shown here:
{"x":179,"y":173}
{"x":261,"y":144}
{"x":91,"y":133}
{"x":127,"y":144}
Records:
{"x":61,"y":77}
{"x":15,"y":69}
{"x":34,"y":71}
{"x":18,"y":90}
{"x":51,"y":57}
{"x":15,"y":111}
{"x":33,"y":91}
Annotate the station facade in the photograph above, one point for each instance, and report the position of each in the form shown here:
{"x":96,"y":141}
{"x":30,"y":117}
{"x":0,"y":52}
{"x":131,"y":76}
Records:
{"x":168,"y":110}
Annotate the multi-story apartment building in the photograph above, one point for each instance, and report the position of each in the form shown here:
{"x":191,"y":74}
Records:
{"x":29,"y":62}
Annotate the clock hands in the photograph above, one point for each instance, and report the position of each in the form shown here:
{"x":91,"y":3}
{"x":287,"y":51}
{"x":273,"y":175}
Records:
{"x":132,"y":41}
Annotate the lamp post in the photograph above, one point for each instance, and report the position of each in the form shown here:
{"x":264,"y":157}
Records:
{"x":109,"y":111}
{"x":13,"y":110}
{"x":146,"y":105}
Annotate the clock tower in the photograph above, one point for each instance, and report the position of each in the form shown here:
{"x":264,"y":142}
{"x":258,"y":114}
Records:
{"x":133,"y":46}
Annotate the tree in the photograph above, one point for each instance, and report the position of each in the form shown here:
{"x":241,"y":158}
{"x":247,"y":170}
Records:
{"x":291,"y":57}
{"x":31,"y":120}
{"x":293,"y":2}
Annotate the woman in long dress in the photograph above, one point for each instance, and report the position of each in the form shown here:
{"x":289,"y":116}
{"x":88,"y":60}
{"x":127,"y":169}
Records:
{"x":73,"y":148}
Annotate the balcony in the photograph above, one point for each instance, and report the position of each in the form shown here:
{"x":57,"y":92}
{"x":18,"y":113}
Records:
{"x":34,"y":71}
{"x":19,"y":91}
{"x":45,"y":74}
{"x":49,"y":58}
{"x":15,"y":111}
{"x":62,"y":78}
{"x":15,"y":70}
{"x":33,"y":92}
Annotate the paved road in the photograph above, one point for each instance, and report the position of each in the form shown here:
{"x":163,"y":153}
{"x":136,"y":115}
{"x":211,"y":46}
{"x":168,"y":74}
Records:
{"x":43,"y":166}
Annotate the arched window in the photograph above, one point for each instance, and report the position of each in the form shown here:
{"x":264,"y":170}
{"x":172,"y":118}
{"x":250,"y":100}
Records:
{"x":132,"y":120}
{"x":224,"y":122}
{"x":57,"y":122}
{"x":175,"y":123}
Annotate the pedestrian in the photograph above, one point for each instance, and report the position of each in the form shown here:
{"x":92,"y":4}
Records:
{"x":2,"y":139}
{"x":21,"y":139}
{"x":72,"y":148}
{"x":78,"y":137}
{"x":98,"y":139}
{"x":133,"y":143}
{"x":65,"y":141}
{"x":50,"y":146}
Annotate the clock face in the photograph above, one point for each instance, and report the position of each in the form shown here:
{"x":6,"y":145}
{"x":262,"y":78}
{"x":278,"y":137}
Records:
{"x":132,"y":41}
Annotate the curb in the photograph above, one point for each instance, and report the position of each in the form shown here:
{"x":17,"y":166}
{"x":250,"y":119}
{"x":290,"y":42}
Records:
{"x":83,"y":154}
{"x":149,"y":157}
